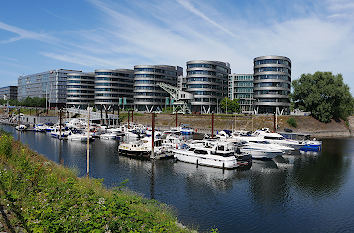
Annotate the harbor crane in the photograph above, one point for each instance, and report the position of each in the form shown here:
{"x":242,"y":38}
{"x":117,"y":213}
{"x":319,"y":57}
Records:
{"x":181,"y":99}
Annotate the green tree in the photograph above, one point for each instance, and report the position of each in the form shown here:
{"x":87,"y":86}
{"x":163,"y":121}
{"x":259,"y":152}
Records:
{"x":230,"y":106}
{"x":324,"y":95}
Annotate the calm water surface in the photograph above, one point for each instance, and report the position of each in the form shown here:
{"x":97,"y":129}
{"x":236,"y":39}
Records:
{"x":308,"y":193}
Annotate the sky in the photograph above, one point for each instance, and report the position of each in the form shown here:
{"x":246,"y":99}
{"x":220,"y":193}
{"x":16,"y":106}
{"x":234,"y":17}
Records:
{"x":41,"y":35}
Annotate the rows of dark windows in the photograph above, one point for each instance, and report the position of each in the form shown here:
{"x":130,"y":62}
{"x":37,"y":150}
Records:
{"x":156,"y":70}
{"x":79,"y":86}
{"x":114,"y":79}
{"x":111,"y":89}
{"x":271,"y":92}
{"x":80,"y":91}
{"x":149,"y":100}
{"x":213,"y":100}
{"x":284,"y":85}
{"x":151,"y":94}
{"x":274,"y":69}
{"x":274,"y":100}
{"x":203,"y":79}
{"x":78,"y":81}
{"x":204,"y":72}
{"x":114,"y":74}
{"x":272,"y":61}
{"x":80,"y":96}
{"x":272,"y":76}
{"x":207,"y":93}
{"x":110,"y":95}
{"x":114,"y":85}
{"x":81,"y":77}
{"x":205,"y":86}
{"x":210,"y":66}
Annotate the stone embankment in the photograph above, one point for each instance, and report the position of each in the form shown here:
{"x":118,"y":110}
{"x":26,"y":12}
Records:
{"x":202,"y":123}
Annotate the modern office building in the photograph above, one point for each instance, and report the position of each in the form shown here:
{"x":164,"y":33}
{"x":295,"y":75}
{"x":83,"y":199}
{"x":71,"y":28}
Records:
{"x":241,"y":88}
{"x":148,"y":96}
{"x":80,"y":90}
{"x":9,"y":92}
{"x":208,"y":82}
{"x":114,"y":88}
{"x":182,"y":82}
{"x":49,"y":84}
{"x":272,"y":83}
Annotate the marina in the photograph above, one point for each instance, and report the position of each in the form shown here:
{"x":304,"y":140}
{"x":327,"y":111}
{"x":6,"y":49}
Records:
{"x":264,"y":197}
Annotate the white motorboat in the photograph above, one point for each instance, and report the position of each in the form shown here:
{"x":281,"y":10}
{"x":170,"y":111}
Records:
{"x":208,"y":153}
{"x":277,"y":139}
{"x":78,"y":137}
{"x":141,"y":149}
{"x":55,"y":133}
{"x":184,"y":129}
{"x":109,"y":135}
{"x":260,"y":151}
{"x":40,"y":128}
{"x":21,"y":127}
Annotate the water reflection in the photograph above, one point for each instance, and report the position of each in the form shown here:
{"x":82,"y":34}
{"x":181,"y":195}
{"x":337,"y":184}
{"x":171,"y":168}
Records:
{"x":272,"y":196}
{"x":268,"y":183}
{"x":212,"y":179}
{"x":319,"y":175}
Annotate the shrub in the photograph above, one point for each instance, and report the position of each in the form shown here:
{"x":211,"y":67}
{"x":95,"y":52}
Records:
{"x":292,"y":122}
{"x":5,"y":145}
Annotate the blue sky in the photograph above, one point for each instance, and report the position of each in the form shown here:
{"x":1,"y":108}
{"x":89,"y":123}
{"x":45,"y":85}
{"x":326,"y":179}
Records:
{"x":36,"y":36}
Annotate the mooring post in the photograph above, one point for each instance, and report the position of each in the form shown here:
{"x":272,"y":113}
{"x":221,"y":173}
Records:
{"x":101,"y":114}
{"x":19,"y":117}
{"x":118,"y":114}
{"x":60,"y":122}
{"x":197,"y":162}
{"x":212,"y":125}
{"x":275,"y":127}
{"x":153,"y":136}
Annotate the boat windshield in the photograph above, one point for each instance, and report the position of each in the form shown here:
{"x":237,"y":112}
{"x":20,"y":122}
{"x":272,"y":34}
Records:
{"x":273,"y":138}
{"x":202,"y":152}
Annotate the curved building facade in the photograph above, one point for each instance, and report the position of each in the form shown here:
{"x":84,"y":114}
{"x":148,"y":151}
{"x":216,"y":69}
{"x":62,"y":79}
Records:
{"x":114,"y":88}
{"x":272,"y":83}
{"x":208,"y":82}
{"x":148,"y":96}
{"x":80,"y":90}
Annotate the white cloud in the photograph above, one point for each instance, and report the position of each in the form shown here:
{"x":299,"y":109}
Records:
{"x":173,"y":32}
{"x":25,"y":34}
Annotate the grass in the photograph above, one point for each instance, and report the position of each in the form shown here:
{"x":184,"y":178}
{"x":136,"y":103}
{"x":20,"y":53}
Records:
{"x":42,"y":196}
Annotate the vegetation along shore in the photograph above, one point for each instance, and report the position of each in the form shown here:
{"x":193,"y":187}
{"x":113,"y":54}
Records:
{"x":38,"y":195}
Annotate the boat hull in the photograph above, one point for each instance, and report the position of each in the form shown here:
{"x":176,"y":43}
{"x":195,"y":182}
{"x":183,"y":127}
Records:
{"x":188,"y":158}
{"x":143,"y":155}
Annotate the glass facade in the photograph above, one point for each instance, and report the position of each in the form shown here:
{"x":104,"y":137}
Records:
{"x":272,"y":83}
{"x":208,"y":82}
{"x":10,"y":92}
{"x":50,"y":84}
{"x":241,"y":88}
{"x":148,"y":95}
{"x":111,"y":86}
{"x":80,"y":89}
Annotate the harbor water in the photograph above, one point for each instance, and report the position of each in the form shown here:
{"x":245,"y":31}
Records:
{"x":300,"y":193}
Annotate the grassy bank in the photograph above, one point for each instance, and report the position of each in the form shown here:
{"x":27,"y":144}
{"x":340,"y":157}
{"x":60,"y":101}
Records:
{"x":38,"y":195}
